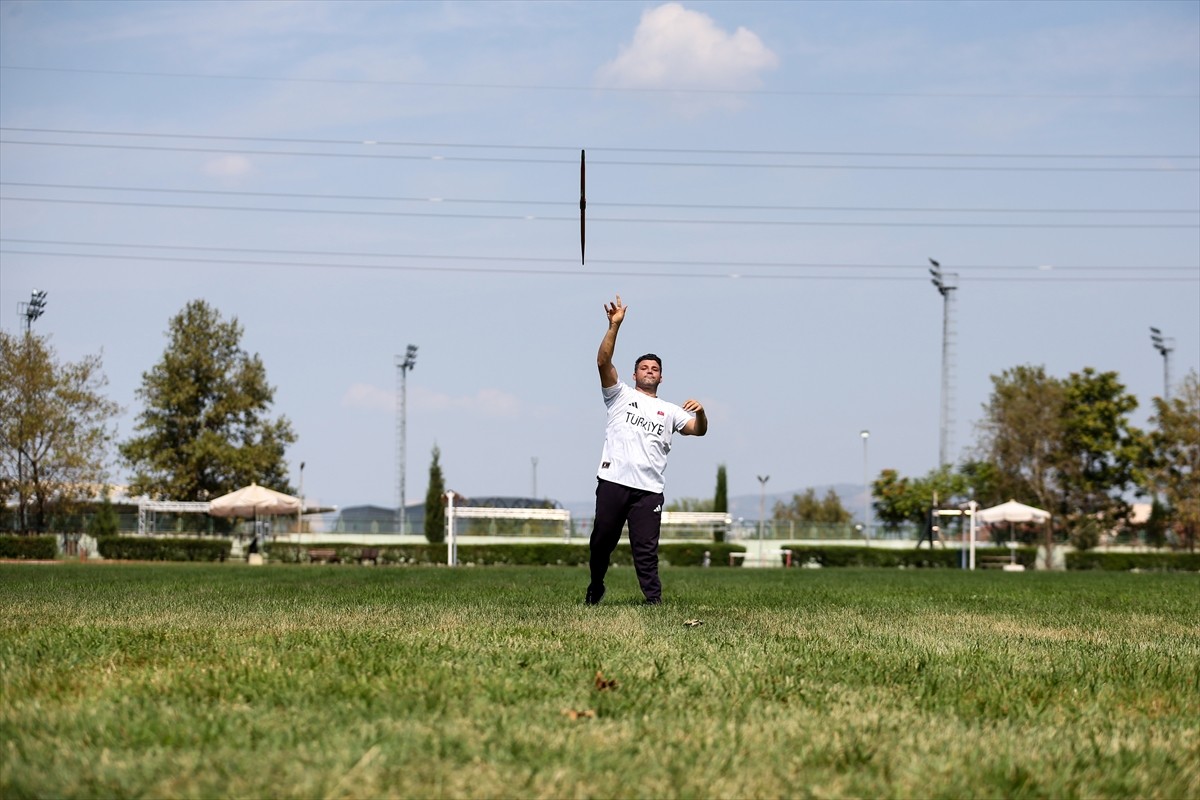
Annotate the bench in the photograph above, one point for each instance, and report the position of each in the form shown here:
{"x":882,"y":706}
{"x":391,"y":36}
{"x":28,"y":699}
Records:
{"x":324,"y":556}
{"x":786,"y":554}
{"x":370,"y":554}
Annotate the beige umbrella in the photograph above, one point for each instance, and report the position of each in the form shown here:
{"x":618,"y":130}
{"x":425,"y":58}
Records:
{"x":254,"y":501}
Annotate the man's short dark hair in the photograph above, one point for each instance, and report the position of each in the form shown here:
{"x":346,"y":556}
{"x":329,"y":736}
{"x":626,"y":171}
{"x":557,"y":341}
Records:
{"x":648,"y":357}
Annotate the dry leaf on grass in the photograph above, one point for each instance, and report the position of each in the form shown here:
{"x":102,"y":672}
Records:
{"x":602,"y":683}
{"x":691,"y":623}
{"x":572,"y":714}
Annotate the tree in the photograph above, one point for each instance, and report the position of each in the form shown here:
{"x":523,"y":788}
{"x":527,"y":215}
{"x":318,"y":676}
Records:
{"x":721,"y":502}
{"x":1099,"y":449}
{"x":807,"y":508}
{"x":690,"y":504}
{"x":1172,"y":458}
{"x":105,"y":522}
{"x":721,"y":497}
{"x":1021,"y":435}
{"x":435,"y":501}
{"x":54,"y":428}
{"x":205,"y":429}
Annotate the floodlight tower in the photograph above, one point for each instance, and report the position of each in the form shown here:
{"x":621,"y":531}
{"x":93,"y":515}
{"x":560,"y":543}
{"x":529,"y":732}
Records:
{"x":403,"y":365}
{"x":30,"y":311}
{"x":762,"y":508}
{"x":33,"y":309}
{"x":866,"y":435}
{"x":1166,"y":346}
{"x":946,"y":283}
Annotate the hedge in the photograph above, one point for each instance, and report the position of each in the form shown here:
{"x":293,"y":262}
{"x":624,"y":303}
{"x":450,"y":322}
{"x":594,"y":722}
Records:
{"x":677,"y":554}
{"x":38,"y":548}
{"x":130,"y":548}
{"x":1123,"y":562}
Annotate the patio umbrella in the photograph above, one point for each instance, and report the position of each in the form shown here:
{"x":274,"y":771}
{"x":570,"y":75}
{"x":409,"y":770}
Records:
{"x":254,"y":501}
{"x":1012,"y":511}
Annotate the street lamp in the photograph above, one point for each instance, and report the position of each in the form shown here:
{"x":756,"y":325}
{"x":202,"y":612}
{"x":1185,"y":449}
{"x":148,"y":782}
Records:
{"x":403,"y":365}
{"x":1165,"y":346}
{"x":866,"y":488}
{"x":762,"y":506}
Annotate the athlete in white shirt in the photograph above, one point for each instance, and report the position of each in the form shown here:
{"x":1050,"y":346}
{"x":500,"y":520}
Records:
{"x":630,"y":479}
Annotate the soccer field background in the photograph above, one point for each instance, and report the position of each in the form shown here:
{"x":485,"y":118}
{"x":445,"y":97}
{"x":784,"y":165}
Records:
{"x":189,"y":680}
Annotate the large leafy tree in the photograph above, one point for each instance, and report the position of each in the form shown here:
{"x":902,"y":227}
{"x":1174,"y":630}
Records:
{"x":1172,"y":462}
{"x":206,"y":427}
{"x":54,"y":428}
{"x":1021,"y":434}
{"x":1099,"y":448}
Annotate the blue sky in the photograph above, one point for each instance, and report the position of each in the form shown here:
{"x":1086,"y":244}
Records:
{"x":765,"y":184}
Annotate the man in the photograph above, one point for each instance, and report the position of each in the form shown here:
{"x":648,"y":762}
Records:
{"x":630,"y":479}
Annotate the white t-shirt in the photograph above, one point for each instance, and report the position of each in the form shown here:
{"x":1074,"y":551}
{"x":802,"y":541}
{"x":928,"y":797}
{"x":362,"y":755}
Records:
{"x":638,"y":437}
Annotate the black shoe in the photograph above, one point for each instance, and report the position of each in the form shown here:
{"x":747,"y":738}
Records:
{"x":594,"y":594}
{"x":653,"y":601}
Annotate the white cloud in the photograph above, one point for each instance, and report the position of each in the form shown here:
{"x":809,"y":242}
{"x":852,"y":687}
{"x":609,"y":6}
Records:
{"x":484,"y":403}
{"x":674,"y":48}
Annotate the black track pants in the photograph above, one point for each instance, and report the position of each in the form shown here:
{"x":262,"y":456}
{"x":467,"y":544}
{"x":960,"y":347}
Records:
{"x":616,"y":505}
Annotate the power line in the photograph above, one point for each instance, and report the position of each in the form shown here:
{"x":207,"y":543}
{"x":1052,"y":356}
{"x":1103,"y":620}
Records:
{"x":597,"y":204}
{"x":575,"y":272}
{"x":552,"y":260}
{"x":622,"y":220}
{"x":591,"y":148}
{"x":610,"y":163}
{"x":609,"y":89}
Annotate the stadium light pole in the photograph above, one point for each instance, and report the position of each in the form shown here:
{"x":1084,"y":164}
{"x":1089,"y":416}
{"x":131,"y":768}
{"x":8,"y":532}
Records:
{"x":1165,"y":346}
{"x":866,"y":435}
{"x":762,"y":508}
{"x":533,"y":459}
{"x":33,"y":309}
{"x":30,"y":311}
{"x":403,"y":365}
{"x":946,"y":283}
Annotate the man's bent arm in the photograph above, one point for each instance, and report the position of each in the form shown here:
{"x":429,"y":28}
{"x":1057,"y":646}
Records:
{"x":697,"y":425}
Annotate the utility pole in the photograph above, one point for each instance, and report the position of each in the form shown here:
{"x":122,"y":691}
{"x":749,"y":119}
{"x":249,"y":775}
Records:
{"x":946,"y":283}
{"x":403,"y":365}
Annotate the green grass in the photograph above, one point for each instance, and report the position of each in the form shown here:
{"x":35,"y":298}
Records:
{"x":184,"y":680}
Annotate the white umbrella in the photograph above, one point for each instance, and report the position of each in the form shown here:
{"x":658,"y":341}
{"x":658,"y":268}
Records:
{"x":254,"y":501}
{"x":1012,"y":511}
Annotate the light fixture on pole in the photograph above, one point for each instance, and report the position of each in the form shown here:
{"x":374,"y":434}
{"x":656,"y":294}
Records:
{"x":865,"y":434}
{"x":762,"y":507}
{"x":1165,"y":346}
{"x":403,"y":365}
{"x":946,"y":283}
{"x":33,"y":309}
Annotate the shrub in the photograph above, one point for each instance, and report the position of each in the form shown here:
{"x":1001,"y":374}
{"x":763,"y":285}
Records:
{"x":1123,"y":562}
{"x":529,"y":554}
{"x":39,"y":548}
{"x":138,"y":548}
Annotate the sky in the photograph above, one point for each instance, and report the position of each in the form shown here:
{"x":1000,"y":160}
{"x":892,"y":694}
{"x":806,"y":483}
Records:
{"x":766,"y":183}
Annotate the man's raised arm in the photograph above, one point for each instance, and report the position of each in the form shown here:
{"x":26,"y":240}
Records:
{"x":604,"y":358}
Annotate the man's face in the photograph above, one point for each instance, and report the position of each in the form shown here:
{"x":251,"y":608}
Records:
{"x":647,"y":375}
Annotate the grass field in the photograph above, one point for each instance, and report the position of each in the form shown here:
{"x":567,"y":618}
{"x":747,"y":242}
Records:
{"x":308,"y":681}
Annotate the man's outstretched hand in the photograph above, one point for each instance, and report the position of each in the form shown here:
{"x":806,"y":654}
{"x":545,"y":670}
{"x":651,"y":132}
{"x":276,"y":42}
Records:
{"x":615,"y":311}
